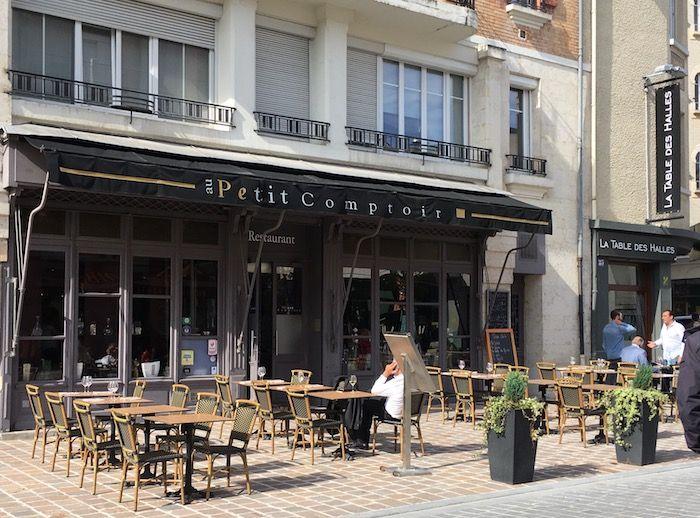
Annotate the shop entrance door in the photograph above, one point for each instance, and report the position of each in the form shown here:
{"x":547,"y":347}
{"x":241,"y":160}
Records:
{"x":629,"y":292}
{"x":276,"y":329}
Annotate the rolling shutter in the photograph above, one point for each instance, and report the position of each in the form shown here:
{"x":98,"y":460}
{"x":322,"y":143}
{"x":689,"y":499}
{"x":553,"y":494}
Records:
{"x":362,"y":89}
{"x":130,"y":16}
{"x":281,"y":73}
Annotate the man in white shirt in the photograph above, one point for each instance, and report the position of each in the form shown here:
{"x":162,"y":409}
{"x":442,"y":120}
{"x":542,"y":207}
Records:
{"x":390,"y":386}
{"x":671,"y":339}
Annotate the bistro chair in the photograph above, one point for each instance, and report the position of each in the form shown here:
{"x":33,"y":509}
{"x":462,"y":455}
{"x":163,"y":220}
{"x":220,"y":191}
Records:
{"x":133,"y":457}
{"x":207,"y":403}
{"x":574,"y":404}
{"x":66,"y":430}
{"x":497,"y":384}
{"x":625,"y":375}
{"x":627,"y":365}
{"x":598,"y":365}
{"x":306,"y":424}
{"x":268,"y":413}
{"x":41,"y":425}
{"x":245,"y":413}
{"x":139,"y":390}
{"x":464,"y":395}
{"x":416,"y":407}
{"x":547,"y":370}
{"x":332,"y":407}
{"x":439,"y":394}
{"x":178,"y":397}
{"x":223,"y":388}
{"x":604,"y":364}
{"x":94,"y":442}
{"x":298,"y":374}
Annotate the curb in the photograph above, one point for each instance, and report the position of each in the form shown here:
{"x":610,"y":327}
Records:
{"x":17,"y":436}
{"x":505,"y":493}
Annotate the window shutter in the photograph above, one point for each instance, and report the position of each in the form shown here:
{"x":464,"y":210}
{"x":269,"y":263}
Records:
{"x":281,"y":73}
{"x":131,"y":16}
{"x":362,"y":89}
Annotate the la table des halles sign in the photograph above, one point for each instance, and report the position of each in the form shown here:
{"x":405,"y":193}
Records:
{"x":668,"y":149}
{"x":635,"y":246}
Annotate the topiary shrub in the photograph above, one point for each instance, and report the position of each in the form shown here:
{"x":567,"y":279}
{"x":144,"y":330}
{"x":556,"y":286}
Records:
{"x":642,"y":380}
{"x":514,"y":386}
{"x":513,"y":398}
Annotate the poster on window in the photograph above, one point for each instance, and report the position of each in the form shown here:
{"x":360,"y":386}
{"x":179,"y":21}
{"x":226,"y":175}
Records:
{"x":668,"y":149}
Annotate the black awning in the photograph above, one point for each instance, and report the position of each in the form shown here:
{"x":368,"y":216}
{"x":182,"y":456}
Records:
{"x":120,"y":170}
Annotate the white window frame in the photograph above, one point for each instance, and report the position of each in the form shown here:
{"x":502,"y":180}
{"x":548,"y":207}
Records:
{"x":527,"y":87}
{"x":446,"y":99}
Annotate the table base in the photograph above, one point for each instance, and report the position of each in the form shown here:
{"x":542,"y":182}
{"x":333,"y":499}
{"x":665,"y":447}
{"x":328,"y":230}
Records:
{"x":399,"y":471}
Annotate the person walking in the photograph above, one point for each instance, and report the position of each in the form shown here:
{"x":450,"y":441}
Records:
{"x":614,"y":334}
{"x":688,"y":391}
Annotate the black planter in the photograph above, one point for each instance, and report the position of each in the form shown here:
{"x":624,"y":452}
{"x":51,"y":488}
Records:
{"x":642,"y":441}
{"x":512,"y":455}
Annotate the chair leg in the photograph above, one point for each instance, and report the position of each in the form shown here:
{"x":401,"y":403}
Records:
{"x":312,"y":438}
{"x":442,"y":409}
{"x":43,"y":445}
{"x":273,"y":436}
{"x":137,"y":482}
{"x":420,"y":438}
{"x":472,"y":407}
{"x":55,"y":452}
{"x":582,"y":423}
{"x":342,"y":441}
{"x":430,"y":402}
{"x":181,"y":474}
{"x":210,"y":474}
{"x":294,"y":444}
{"x":36,"y":439}
{"x":375,"y":424}
{"x":121,"y":486}
{"x":228,"y":470}
{"x":395,"y":436}
{"x":95,"y":468}
{"x":244,"y":458}
{"x":562,"y":424}
{"x":261,"y":429}
{"x":85,"y":456}
{"x":454,"y":418}
{"x":70,"y":453}
{"x":165,"y":478}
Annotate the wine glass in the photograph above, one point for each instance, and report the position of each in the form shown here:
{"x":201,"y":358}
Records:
{"x":301,"y":378}
{"x":462,"y":364}
{"x":88,"y":382}
{"x":572,"y":360}
{"x":113,"y":386}
{"x":353,"y":381}
{"x":84,"y":383}
{"x":489,"y":367}
{"x":261,"y":372}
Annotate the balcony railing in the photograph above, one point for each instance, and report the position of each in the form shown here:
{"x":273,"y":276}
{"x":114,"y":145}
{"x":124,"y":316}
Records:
{"x":538,"y":5}
{"x":464,"y":3}
{"x":527,"y":164}
{"x":291,"y":126}
{"x":77,"y":92}
{"x":418,"y":146}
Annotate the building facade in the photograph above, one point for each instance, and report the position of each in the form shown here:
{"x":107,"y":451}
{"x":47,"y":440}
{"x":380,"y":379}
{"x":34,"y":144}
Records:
{"x":238,"y":184}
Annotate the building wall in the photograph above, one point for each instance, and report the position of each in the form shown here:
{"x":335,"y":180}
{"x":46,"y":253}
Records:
{"x":694,"y":115}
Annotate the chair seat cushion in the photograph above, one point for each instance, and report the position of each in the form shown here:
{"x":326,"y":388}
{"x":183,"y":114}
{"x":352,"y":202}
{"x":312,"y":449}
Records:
{"x":282,"y":415}
{"x":108,"y":445}
{"x":180,"y":438}
{"x":325,"y":423}
{"x":159,"y":456}
{"x":218,"y":449}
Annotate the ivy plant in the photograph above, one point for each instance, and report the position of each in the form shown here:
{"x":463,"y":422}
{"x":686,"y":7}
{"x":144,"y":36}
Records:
{"x":513,"y":398}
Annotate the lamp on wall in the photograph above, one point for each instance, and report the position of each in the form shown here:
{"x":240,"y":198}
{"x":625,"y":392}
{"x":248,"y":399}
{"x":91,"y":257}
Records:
{"x":664,"y":74}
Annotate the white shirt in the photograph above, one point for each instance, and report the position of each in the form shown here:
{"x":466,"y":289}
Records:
{"x":392,"y":390}
{"x":671,"y":340}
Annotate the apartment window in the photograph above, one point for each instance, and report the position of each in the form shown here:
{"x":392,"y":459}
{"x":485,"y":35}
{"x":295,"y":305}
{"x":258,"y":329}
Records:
{"x":42,"y":44}
{"x":135,"y":73}
{"x":97,"y":55}
{"x":697,"y":172}
{"x":671,"y":19}
{"x":696,"y":15}
{"x":183,"y":71}
{"x":423,"y":103}
{"x":697,"y":92}
{"x":518,"y":116}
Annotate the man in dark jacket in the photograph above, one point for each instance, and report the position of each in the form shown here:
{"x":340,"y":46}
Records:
{"x":688,"y":392}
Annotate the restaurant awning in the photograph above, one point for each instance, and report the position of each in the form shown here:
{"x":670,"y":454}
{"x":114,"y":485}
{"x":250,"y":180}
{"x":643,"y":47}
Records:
{"x":121,"y":169}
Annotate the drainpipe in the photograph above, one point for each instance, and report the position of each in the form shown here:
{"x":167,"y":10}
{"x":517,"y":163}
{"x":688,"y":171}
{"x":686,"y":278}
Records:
{"x":579,"y":201}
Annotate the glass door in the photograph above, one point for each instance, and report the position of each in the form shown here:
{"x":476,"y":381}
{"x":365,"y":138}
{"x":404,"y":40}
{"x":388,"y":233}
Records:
{"x":628,"y":291}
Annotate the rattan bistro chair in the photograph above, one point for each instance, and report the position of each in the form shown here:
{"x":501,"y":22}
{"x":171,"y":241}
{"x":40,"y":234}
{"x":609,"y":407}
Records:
{"x":139,"y":390}
{"x":547,"y":370}
{"x":417,"y":399}
{"x":573,"y":404}
{"x":66,"y":430}
{"x":497,"y":385}
{"x":306,"y":424}
{"x":223,"y":388}
{"x":41,"y":424}
{"x":94,"y":442}
{"x":464,"y":395}
{"x":245,"y":413}
{"x":268,"y":413}
{"x":297,"y":375}
{"x":627,"y":365}
{"x":132,"y":457}
{"x":439,"y":394}
{"x":207,"y":403}
{"x":178,"y":397}
{"x":625,"y":375}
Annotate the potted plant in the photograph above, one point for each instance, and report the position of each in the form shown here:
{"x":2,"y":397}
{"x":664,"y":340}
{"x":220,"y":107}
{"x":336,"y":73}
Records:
{"x":509,"y":428}
{"x":633,"y":414}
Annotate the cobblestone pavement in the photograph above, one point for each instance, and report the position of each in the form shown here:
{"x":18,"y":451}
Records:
{"x":286,"y":488}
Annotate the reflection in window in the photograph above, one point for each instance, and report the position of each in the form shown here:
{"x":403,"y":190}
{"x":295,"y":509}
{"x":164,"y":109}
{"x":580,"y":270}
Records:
{"x":392,"y":307}
{"x":435,"y":101}
{"x":391,"y":97}
{"x":152,"y":229}
{"x":426,"y":315}
{"x":624,"y":274}
{"x":412,"y":101}
{"x":40,"y":360}
{"x":458,"y":287}
{"x":200,"y":233}
{"x":100,"y":225}
{"x":98,"y":315}
{"x":150,"y":312}
{"x":357,"y":321}
{"x":517,"y":128}
{"x":199,"y":296}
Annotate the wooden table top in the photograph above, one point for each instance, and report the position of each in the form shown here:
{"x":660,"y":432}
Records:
{"x":342,"y":394}
{"x":586,"y":368}
{"x":149,"y":409}
{"x":478,"y":375}
{"x":273,"y":382}
{"x":310,"y":387}
{"x":661,"y":375}
{"x":82,"y":395}
{"x":115,"y":400}
{"x":540,"y":381}
{"x":600,"y":387}
{"x":175,"y":419}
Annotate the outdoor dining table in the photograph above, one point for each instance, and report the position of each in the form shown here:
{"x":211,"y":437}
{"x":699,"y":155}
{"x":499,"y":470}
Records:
{"x":187,"y":424}
{"x":337,"y":395}
{"x":82,"y":395}
{"x":543,"y":385}
{"x":600,"y":387}
{"x":272,"y":382}
{"x":310,"y":387}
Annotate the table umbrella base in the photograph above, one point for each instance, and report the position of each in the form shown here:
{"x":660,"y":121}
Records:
{"x":400,"y":471}
{"x":190,"y":495}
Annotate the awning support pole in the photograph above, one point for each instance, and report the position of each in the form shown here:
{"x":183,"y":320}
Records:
{"x":25,"y":266}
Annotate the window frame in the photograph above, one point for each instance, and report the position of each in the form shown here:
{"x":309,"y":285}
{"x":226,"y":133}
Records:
{"x":526,"y":130}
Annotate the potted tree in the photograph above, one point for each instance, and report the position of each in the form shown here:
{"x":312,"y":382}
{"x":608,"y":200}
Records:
{"x":510,"y":433}
{"x":633,"y":414}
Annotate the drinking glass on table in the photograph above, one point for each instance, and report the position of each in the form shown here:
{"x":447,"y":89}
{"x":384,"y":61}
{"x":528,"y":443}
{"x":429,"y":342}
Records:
{"x":84,"y":383}
{"x":462,"y":364}
{"x":261,"y":372}
{"x":572,"y":360}
{"x":88,"y":382}
{"x":113,"y":386}
{"x":353,"y":381}
{"x":489,"y":367}
{"x":301,"y":378}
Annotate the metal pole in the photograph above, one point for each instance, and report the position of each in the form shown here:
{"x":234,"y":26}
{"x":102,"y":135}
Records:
{"x":25,"y":266}
{"x":406,"y":421}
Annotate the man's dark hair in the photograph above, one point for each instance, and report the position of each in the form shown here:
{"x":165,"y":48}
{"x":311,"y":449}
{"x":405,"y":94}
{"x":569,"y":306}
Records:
{"x":695,"y":317}
{"x":669,"y":312}
{"x":615,"y":313}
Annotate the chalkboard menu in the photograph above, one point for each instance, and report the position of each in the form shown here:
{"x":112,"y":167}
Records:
{"x":498,"y":309}
{"x":500,"y":346}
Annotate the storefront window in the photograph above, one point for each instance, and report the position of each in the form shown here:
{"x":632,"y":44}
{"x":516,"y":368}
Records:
{"x":98,"y":316}
{"x":152,"y":229}
{"x":392,"y":307}
{"x":686,"y":296}
{"x":200,"y":233}
{"x":426,"y":315}
{"x":100,"y":225}
{"x":199,"y":297}
{"x":40,"y":351}
{"x":350,"y":245}
{"x":458,"y":286}
{"x":49,"y":222}
{"x":150,"y":341}
{"x":357,"y":321}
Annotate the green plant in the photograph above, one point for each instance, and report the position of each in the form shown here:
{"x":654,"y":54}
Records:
{"x":642,"y":380}
{"x":513,"y":398}
{"x":623,"y":406}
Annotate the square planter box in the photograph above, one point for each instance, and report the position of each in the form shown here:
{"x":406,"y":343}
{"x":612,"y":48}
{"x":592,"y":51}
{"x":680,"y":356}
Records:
{"x":642,"y":441}
{"x":512,"y":455}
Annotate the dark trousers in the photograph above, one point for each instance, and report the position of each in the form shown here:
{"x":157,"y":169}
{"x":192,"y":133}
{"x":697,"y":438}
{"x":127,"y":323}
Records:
{"x":370,"y":408}
{"x":611,"y":379}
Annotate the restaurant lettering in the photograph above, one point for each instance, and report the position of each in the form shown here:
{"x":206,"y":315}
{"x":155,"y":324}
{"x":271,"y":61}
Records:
{"x":641,"y":247}
{"x":271,"y":238}
{"x":668,"y":149}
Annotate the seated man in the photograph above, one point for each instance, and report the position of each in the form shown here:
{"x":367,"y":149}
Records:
{"x":390,"y":386}
{"x":634,"y":352}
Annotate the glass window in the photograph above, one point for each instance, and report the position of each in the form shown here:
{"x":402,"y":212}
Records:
{"x":199,"y":296}
{"x":458,"y":343}
{"x":50,"y":222}
{"x":134,"y":68}
{"x":97,"y":55}
{"x":27,"y":51}
{"x":426,"y":315}
{"x":517,"y":134}
{"x":40,"y":360}
{"x":357,"y":321}
{"x":697,"y":172}
{"x":350,"y":244}
{"x":170,"y":69}
{"x":150,"y":339}
{"x":392,"y":307}
{"x":390,"y":95}
{"x":58,"y":47}
{"x":152,"y":229}
{"x":200,"y":233}
{"x":196,"y":73}
{"x":98,"y":273}
{"x":457,"y":252}
{"x":622,"y":274}
{"x":100,"y":225}
{"x":390,"y":247}
{"x":697,"y":92}
{"x":412,"y":101}
{"x":426,"y":250}
{"x":457,"y":110}
{"x":435,"y":105}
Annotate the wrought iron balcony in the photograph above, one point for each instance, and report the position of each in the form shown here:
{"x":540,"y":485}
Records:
{"x":546,"y":6}
{"x":465,"y":3}
{"x":291,"y":126}
{"x":527,"y":164}
{"x":26,"y":84}
{"x":418,"y":146}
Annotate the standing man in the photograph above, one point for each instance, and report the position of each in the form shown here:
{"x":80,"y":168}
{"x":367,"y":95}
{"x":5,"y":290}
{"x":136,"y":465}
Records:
{"x":688,"y":392}
{"x":614,"y":334}
{"x":671,"y":339}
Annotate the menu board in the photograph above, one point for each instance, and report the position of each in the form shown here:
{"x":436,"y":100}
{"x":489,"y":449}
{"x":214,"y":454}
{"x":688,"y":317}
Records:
{"x":500,"y":346}
{"x":498,"y":309}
